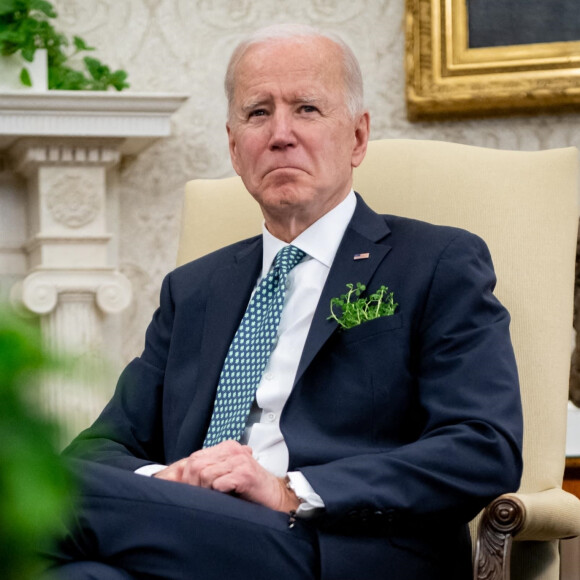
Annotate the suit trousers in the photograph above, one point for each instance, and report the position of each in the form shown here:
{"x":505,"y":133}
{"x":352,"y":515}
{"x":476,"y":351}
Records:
{"x":131,"y":526}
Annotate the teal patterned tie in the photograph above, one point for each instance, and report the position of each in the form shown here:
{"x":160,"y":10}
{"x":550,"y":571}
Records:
{"x":250,"y":351}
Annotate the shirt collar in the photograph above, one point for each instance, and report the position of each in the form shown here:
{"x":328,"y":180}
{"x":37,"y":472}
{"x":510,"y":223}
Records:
{"x":320,"y":241}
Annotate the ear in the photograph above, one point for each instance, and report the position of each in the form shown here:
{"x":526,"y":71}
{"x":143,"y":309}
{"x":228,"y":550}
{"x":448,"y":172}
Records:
{"x":361,"y":137}
{"x":233,"y":148}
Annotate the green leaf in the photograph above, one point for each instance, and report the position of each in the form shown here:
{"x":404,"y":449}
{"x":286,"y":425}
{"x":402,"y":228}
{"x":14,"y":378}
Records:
{"x":96,"y":68}
{"x":25,"y":77}
{"x":10,"y":42}
{"x":44,"y":7}
{"x":27,"y":53}
{"x":7,"y":6}
{"x":118,"y":80}
{"x":80,"y":44}
{"x":64,"y":78}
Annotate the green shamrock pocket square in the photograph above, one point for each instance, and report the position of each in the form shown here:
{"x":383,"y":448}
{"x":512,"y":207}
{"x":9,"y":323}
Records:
{"x":355,"y":310}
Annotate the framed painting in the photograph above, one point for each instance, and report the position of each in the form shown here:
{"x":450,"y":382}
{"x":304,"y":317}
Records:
{"x":469,"y":58}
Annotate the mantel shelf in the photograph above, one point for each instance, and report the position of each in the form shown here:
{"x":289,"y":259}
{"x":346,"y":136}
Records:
{"x":137,"y":119}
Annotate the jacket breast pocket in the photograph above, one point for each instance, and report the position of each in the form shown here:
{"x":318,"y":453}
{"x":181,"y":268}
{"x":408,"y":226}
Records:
{"x":371,"y":329}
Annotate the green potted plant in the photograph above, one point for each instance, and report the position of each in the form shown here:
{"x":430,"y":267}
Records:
{"x":26,"y":27}
{"x":35,"y":487}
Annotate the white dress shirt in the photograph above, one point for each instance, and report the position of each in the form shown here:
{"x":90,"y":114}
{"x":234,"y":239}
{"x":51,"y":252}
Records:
{"x":304,"y":286}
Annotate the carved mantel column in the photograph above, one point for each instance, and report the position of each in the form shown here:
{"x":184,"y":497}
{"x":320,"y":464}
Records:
{"x":72,"y":283}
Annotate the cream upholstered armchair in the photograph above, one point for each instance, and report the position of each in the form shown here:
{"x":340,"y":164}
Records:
{"x":524,"y":204}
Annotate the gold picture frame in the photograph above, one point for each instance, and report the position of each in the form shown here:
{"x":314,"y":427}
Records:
{"x":448,"y":79}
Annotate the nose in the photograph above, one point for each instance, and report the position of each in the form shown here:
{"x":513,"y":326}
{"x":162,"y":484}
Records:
{"x":282,"y":130}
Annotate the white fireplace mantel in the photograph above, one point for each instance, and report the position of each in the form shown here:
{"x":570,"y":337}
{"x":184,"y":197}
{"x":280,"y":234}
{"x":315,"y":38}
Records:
{"x":58,"y":222}
{"x":137,"y":119}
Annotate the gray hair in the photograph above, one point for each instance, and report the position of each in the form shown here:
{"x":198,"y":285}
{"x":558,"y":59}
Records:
{"x":352,"y":74}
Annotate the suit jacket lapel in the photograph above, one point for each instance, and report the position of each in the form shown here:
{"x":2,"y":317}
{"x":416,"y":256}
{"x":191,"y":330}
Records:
{"x":364,"y":234}
{"x":229,"y":292}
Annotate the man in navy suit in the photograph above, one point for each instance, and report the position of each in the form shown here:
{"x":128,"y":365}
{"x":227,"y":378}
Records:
{"x":366,"y":450}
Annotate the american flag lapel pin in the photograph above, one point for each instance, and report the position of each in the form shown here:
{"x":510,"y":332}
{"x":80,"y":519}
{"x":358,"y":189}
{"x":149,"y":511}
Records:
{"x":361,"y":256}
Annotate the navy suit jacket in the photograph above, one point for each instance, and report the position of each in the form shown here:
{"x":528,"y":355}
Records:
{"x":403,"y":425}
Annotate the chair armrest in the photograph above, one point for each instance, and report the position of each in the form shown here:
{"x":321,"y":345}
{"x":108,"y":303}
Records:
{"x":546,"y":515}
{"x":553,"y":514}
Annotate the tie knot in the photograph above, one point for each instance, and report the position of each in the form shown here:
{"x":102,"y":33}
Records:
{"x":288,"y":257}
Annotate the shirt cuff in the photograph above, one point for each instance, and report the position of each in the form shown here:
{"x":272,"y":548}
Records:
{"x":312,"y":503}
{"x":151,"y":469}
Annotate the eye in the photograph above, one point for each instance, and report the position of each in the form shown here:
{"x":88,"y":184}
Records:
{"x":308,"y":109}
{"x":257,"y":113}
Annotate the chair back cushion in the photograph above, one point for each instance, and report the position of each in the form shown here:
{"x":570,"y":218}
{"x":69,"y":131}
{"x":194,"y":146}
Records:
{"x":524,"y":205}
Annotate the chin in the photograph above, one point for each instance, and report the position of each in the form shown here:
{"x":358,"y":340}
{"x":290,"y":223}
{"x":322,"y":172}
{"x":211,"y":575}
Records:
{"x":284,"y":199}
{"x":280,"y":195}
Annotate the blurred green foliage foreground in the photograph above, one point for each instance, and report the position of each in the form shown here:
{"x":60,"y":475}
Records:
{"x":35,"y":488}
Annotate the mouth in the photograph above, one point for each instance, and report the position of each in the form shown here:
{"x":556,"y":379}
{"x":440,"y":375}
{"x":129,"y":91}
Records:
{"x":285,"y":169}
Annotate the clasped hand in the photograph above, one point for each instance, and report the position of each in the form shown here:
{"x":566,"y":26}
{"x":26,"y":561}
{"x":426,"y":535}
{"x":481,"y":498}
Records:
{"x":229,"y":467}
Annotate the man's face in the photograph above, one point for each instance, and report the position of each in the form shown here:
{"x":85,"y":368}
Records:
{"x":291,"y":137}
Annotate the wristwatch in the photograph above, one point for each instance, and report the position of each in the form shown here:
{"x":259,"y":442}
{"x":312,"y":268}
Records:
{"x":289,"y":486}
{"x":301,"y":500}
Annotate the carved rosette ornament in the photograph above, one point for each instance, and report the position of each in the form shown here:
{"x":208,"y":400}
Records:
{"x":501,"y":520}
{"x":74,"y":201}
{"x":115,"y":295}
{"x":39,"y":297}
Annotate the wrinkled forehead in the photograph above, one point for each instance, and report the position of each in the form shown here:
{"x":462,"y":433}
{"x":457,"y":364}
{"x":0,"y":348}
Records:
{"x":291,"y":59}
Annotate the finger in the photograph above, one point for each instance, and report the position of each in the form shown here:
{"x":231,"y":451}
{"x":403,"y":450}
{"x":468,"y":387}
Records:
{"x":219,"y":455}
{"x":201,"y":470}
{"x":204,"y":471}
{"x":221,"y":451}
{"x":191,"y":470}
{"x":172,"y":472}
{"x":227,"y":483}
{"x":216,"y":455}
{"x":241,"y":474}
{"x":213,"y":473}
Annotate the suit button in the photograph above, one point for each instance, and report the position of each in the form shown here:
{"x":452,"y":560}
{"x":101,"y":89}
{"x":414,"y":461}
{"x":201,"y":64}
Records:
{"x":379,"y":514}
